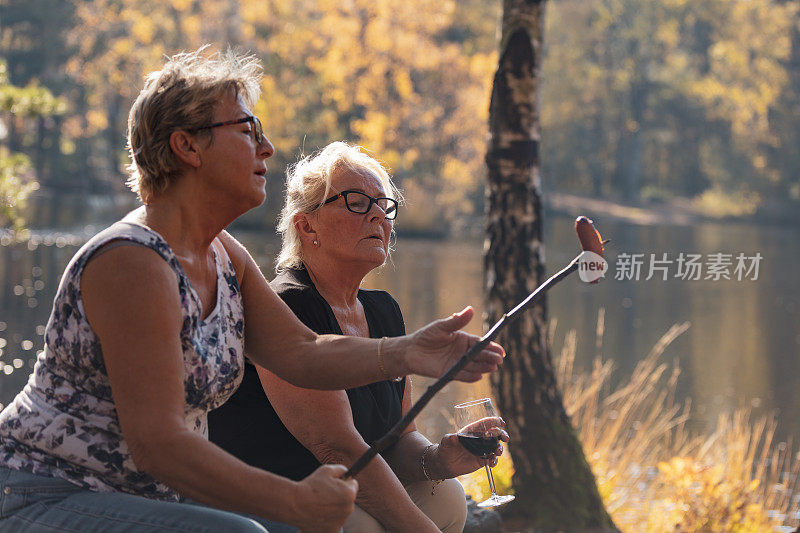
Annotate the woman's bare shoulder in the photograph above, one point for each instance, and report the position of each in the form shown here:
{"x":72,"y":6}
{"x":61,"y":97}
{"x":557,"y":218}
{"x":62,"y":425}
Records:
{"x":237,"y":253}
{"x":131,"y":291}
{"x":129,"y":266}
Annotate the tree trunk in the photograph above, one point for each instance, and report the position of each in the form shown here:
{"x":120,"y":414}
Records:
{"x":553,"y":483}
{"x":632,"y":163}
{"x":785,"y":121}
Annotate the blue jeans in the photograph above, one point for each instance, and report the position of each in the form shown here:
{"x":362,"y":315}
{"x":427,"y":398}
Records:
{"x":31,"y":503}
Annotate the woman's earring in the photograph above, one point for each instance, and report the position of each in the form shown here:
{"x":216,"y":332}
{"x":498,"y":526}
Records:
{"x":316,"y":242}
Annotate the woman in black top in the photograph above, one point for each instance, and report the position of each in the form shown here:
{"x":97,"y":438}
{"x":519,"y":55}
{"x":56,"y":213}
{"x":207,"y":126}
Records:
{"x":252,"y":428}
{"x":336,"y":226}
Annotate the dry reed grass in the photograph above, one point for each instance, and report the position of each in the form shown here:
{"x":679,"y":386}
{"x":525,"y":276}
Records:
{"x":652,"y":472}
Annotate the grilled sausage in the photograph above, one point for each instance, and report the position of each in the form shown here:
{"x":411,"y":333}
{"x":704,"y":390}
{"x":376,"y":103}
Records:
{"x":588,"y":236}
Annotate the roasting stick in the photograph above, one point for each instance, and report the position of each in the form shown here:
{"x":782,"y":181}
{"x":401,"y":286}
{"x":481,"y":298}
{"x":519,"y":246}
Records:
{"x":590,"y":240}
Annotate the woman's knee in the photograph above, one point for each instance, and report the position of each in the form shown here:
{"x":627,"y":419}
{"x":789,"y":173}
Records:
{"x":446,"y":507}
{"x":361,"y":521}
{"x":451,"y":492}
{"x":450,"y":495}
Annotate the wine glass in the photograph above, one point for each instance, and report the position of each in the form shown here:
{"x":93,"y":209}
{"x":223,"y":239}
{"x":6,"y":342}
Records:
{"x":479,"y":427}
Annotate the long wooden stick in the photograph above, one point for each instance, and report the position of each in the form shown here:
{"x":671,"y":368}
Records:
{"x":391,"y":438}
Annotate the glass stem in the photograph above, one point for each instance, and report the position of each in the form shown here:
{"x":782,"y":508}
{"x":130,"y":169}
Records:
{"x":491,"y":479}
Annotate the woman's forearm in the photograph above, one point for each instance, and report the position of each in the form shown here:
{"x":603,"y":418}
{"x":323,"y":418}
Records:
{"x":405,"y":458}
{"x":205,"y":473}
{"x":277,"y":340}
{"x":444,"y":460}
{"x":323,"y":423}
{"x":334,"y":362}
{"x":380,"y":492}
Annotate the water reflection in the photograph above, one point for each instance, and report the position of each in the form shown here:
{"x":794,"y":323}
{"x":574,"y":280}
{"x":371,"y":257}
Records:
{"x":742,"y":348}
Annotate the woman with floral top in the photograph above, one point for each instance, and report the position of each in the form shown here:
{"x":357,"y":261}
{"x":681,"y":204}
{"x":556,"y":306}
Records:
{"x":149,"y":329}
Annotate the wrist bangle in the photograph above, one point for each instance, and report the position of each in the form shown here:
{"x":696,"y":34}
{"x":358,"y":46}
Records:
{"x":434,"y":482}
{"x":380,"y":362}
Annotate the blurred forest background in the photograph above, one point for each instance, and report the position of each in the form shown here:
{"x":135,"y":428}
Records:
{"x":688,"y":102}
{"x":690,"y":109}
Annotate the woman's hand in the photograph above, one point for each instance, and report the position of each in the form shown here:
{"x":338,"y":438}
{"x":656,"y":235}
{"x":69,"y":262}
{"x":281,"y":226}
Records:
{"x":324,"y":500}
{"x":454,"y":460}
{"x":439,"y":345}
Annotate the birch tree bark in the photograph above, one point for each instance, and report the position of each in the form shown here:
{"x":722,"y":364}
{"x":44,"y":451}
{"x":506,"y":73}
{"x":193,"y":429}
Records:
{"x":553,"y":483}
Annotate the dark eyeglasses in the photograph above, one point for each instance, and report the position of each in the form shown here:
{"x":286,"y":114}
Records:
{"x":258,"y":130}
{"x":360,"y":203}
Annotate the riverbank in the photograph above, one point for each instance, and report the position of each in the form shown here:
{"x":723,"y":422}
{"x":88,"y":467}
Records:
{"x":48,"y":212}
{"x":674,"y":212}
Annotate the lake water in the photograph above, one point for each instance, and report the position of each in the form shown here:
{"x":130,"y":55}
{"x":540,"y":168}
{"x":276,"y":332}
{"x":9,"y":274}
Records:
{"x":742,"y":349}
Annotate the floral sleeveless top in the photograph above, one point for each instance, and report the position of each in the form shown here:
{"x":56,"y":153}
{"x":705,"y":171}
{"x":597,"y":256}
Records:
{"x":63,"y":424}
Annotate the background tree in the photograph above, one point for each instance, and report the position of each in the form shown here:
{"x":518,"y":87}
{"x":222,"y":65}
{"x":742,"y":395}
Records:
{"x":786,"y":118}
{"x":32,"y":34}
{"x":115,"y":44}
{"x":669,"y":98}
{"x":646,"y":99}
{"x":18,"y":105}
{"x":403,"y":80}
{"x":554,"y":485}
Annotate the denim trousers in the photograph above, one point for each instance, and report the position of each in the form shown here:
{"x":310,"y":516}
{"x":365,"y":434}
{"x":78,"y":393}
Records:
{"x":31,"y":503}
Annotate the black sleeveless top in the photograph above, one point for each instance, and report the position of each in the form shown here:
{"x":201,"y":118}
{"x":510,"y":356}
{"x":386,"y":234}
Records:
{"x":248,"y":427}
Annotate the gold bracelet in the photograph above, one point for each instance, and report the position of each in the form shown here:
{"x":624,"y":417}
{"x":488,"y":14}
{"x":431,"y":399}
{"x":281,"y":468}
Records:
{"x":425,"y":470}
{"x":380,"y":362}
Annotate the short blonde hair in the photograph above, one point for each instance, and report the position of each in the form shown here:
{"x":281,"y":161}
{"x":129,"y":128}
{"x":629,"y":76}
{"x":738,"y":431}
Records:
{"x":308,"y":184}
{"x":182,"y":96}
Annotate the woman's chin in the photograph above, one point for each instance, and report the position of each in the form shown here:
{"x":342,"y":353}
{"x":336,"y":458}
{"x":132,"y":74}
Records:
{"x":373,"y":258}
{"x":378,"y":259}
{"x":252,"y":201}
{"x":259,"y":196}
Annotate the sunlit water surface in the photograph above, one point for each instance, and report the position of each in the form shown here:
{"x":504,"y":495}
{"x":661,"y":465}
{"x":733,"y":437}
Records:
{"x":742,"y":348}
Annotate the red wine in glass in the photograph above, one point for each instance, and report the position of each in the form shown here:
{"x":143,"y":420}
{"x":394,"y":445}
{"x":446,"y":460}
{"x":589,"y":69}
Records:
{"x":479,"y":428}
{"x":482,"y":447}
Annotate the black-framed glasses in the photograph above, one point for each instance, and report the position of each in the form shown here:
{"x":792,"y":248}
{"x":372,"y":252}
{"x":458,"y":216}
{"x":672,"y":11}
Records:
{"x":360,"y":203}
{"x":258,"y":130}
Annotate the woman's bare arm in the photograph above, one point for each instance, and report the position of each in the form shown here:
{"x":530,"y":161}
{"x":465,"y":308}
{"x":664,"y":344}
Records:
{"x":277,"y":340}
{"x":405,"y":457}
{"x":446,"y":459}
{"x":132,"y":302}
{"x":322,"y":421}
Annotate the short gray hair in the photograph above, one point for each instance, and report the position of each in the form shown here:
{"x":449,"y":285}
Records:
{"x":308,"y":184}
{"x":182,"y":96}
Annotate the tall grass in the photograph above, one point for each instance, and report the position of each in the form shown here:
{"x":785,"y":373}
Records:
{"x":653,"y":473}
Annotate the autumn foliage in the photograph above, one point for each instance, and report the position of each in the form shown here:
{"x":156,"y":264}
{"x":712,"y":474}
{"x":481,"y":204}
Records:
{"x":640,"y":99}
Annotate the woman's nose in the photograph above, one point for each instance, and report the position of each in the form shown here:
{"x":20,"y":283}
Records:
{"x":377,"y":212}
{"x":265,"y":148}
